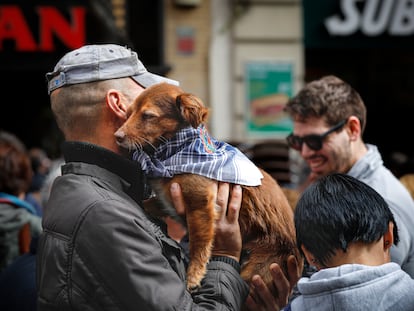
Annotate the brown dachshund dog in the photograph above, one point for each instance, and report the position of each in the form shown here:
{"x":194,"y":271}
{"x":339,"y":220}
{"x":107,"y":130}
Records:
{"x":266,"y":218}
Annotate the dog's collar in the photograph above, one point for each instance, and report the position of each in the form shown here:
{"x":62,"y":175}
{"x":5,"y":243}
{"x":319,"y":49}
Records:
{"x":195,"y":151}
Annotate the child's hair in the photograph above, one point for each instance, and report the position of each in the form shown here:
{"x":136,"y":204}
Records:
{"x":337,"y":210}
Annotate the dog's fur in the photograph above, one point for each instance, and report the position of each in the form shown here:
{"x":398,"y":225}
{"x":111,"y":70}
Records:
{"x":266,"y":218}
{"x":408,"y":181}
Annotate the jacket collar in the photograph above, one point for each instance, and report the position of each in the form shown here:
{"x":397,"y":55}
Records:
{"x":126,"y":169}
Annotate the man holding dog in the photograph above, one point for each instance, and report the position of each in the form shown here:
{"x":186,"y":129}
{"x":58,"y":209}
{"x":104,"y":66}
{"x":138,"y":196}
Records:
{"x":329,"y":119}
{"x":99,"y":250}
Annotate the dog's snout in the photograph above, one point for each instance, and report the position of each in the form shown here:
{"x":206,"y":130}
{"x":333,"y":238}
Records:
{"x":120,"y":136}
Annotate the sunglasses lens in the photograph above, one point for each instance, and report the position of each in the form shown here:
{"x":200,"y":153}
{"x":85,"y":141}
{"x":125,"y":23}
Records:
{"x":314,"y":142}
{"x":294,"y":142}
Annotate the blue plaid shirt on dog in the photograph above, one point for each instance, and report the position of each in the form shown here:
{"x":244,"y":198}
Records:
{"x":195,"y":151}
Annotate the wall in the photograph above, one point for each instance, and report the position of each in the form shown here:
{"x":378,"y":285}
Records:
{"x":190,"y":68}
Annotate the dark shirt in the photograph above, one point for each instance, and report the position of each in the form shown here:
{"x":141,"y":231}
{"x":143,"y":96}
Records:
{"x":18,"y":282}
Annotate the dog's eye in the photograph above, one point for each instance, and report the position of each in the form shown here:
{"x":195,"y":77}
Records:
{"x":148,"y":115}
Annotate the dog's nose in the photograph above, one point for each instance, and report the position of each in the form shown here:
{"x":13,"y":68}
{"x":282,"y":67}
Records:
{"x":120,"y":136}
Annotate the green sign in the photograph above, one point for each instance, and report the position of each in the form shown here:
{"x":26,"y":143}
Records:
{"x":269,"y":85}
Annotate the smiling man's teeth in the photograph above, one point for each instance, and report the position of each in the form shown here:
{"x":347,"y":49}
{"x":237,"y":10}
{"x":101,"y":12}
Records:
{"x":314,"y":163}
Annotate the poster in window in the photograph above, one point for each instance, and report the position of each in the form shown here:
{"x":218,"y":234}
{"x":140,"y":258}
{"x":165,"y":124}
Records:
{"x":269,"y":85}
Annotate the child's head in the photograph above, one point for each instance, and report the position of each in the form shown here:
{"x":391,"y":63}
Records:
{"x":337,"y":210}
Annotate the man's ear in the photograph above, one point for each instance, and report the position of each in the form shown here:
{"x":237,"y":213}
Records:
{"x":116,"y":104}
{"x":354,"y":127}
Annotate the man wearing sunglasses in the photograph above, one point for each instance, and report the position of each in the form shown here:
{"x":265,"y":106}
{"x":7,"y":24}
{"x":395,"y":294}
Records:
{"x":329,"y":119}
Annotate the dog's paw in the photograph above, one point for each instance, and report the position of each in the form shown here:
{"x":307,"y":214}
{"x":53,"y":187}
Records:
{"x":193,"y":283}
{"x":192,"y":288}
{"x":194,"y":277}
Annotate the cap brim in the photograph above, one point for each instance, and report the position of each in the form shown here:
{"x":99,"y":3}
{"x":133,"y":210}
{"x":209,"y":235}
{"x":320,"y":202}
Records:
{"x":148,"y":79}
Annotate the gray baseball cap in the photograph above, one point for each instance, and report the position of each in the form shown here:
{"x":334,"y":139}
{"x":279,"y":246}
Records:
{"x":101,"y":62}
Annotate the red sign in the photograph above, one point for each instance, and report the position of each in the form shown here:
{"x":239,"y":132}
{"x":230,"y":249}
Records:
{"x":51,"y":22}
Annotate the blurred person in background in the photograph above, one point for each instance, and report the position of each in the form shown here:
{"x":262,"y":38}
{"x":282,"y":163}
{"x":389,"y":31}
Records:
{"x":18,"y":280}
{"x":40,"y":165}
{"x":18,"y":219}
{"x":19,"y":227}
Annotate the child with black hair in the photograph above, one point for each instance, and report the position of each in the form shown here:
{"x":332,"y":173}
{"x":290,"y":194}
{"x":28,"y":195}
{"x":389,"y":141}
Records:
{"x":346,"y":229}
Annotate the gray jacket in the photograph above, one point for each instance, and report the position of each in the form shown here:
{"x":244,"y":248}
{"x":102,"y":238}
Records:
{"x":356,"y":288}
{"x":100,"y":251}
{"x":371,"y":170}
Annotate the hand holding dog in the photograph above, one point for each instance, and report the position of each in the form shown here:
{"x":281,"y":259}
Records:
{"x":228,"y":241}
{"x":177,"y":198}
{"x":265,"y":301}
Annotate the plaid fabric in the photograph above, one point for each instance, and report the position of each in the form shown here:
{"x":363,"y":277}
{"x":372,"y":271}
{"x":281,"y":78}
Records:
{"x":194,"y":151}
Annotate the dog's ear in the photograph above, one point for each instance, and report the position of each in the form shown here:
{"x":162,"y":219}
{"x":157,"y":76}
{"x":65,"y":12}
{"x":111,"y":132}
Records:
{"x":192,"y":109}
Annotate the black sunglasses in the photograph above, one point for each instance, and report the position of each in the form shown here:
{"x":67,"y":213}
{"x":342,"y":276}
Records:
{"x":313,"y":141}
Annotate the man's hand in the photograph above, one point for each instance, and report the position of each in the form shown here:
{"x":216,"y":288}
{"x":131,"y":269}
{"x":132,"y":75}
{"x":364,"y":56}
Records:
{"x":177,"y":198}
{"x":228,"y":240}
{"x":265,"y":301}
